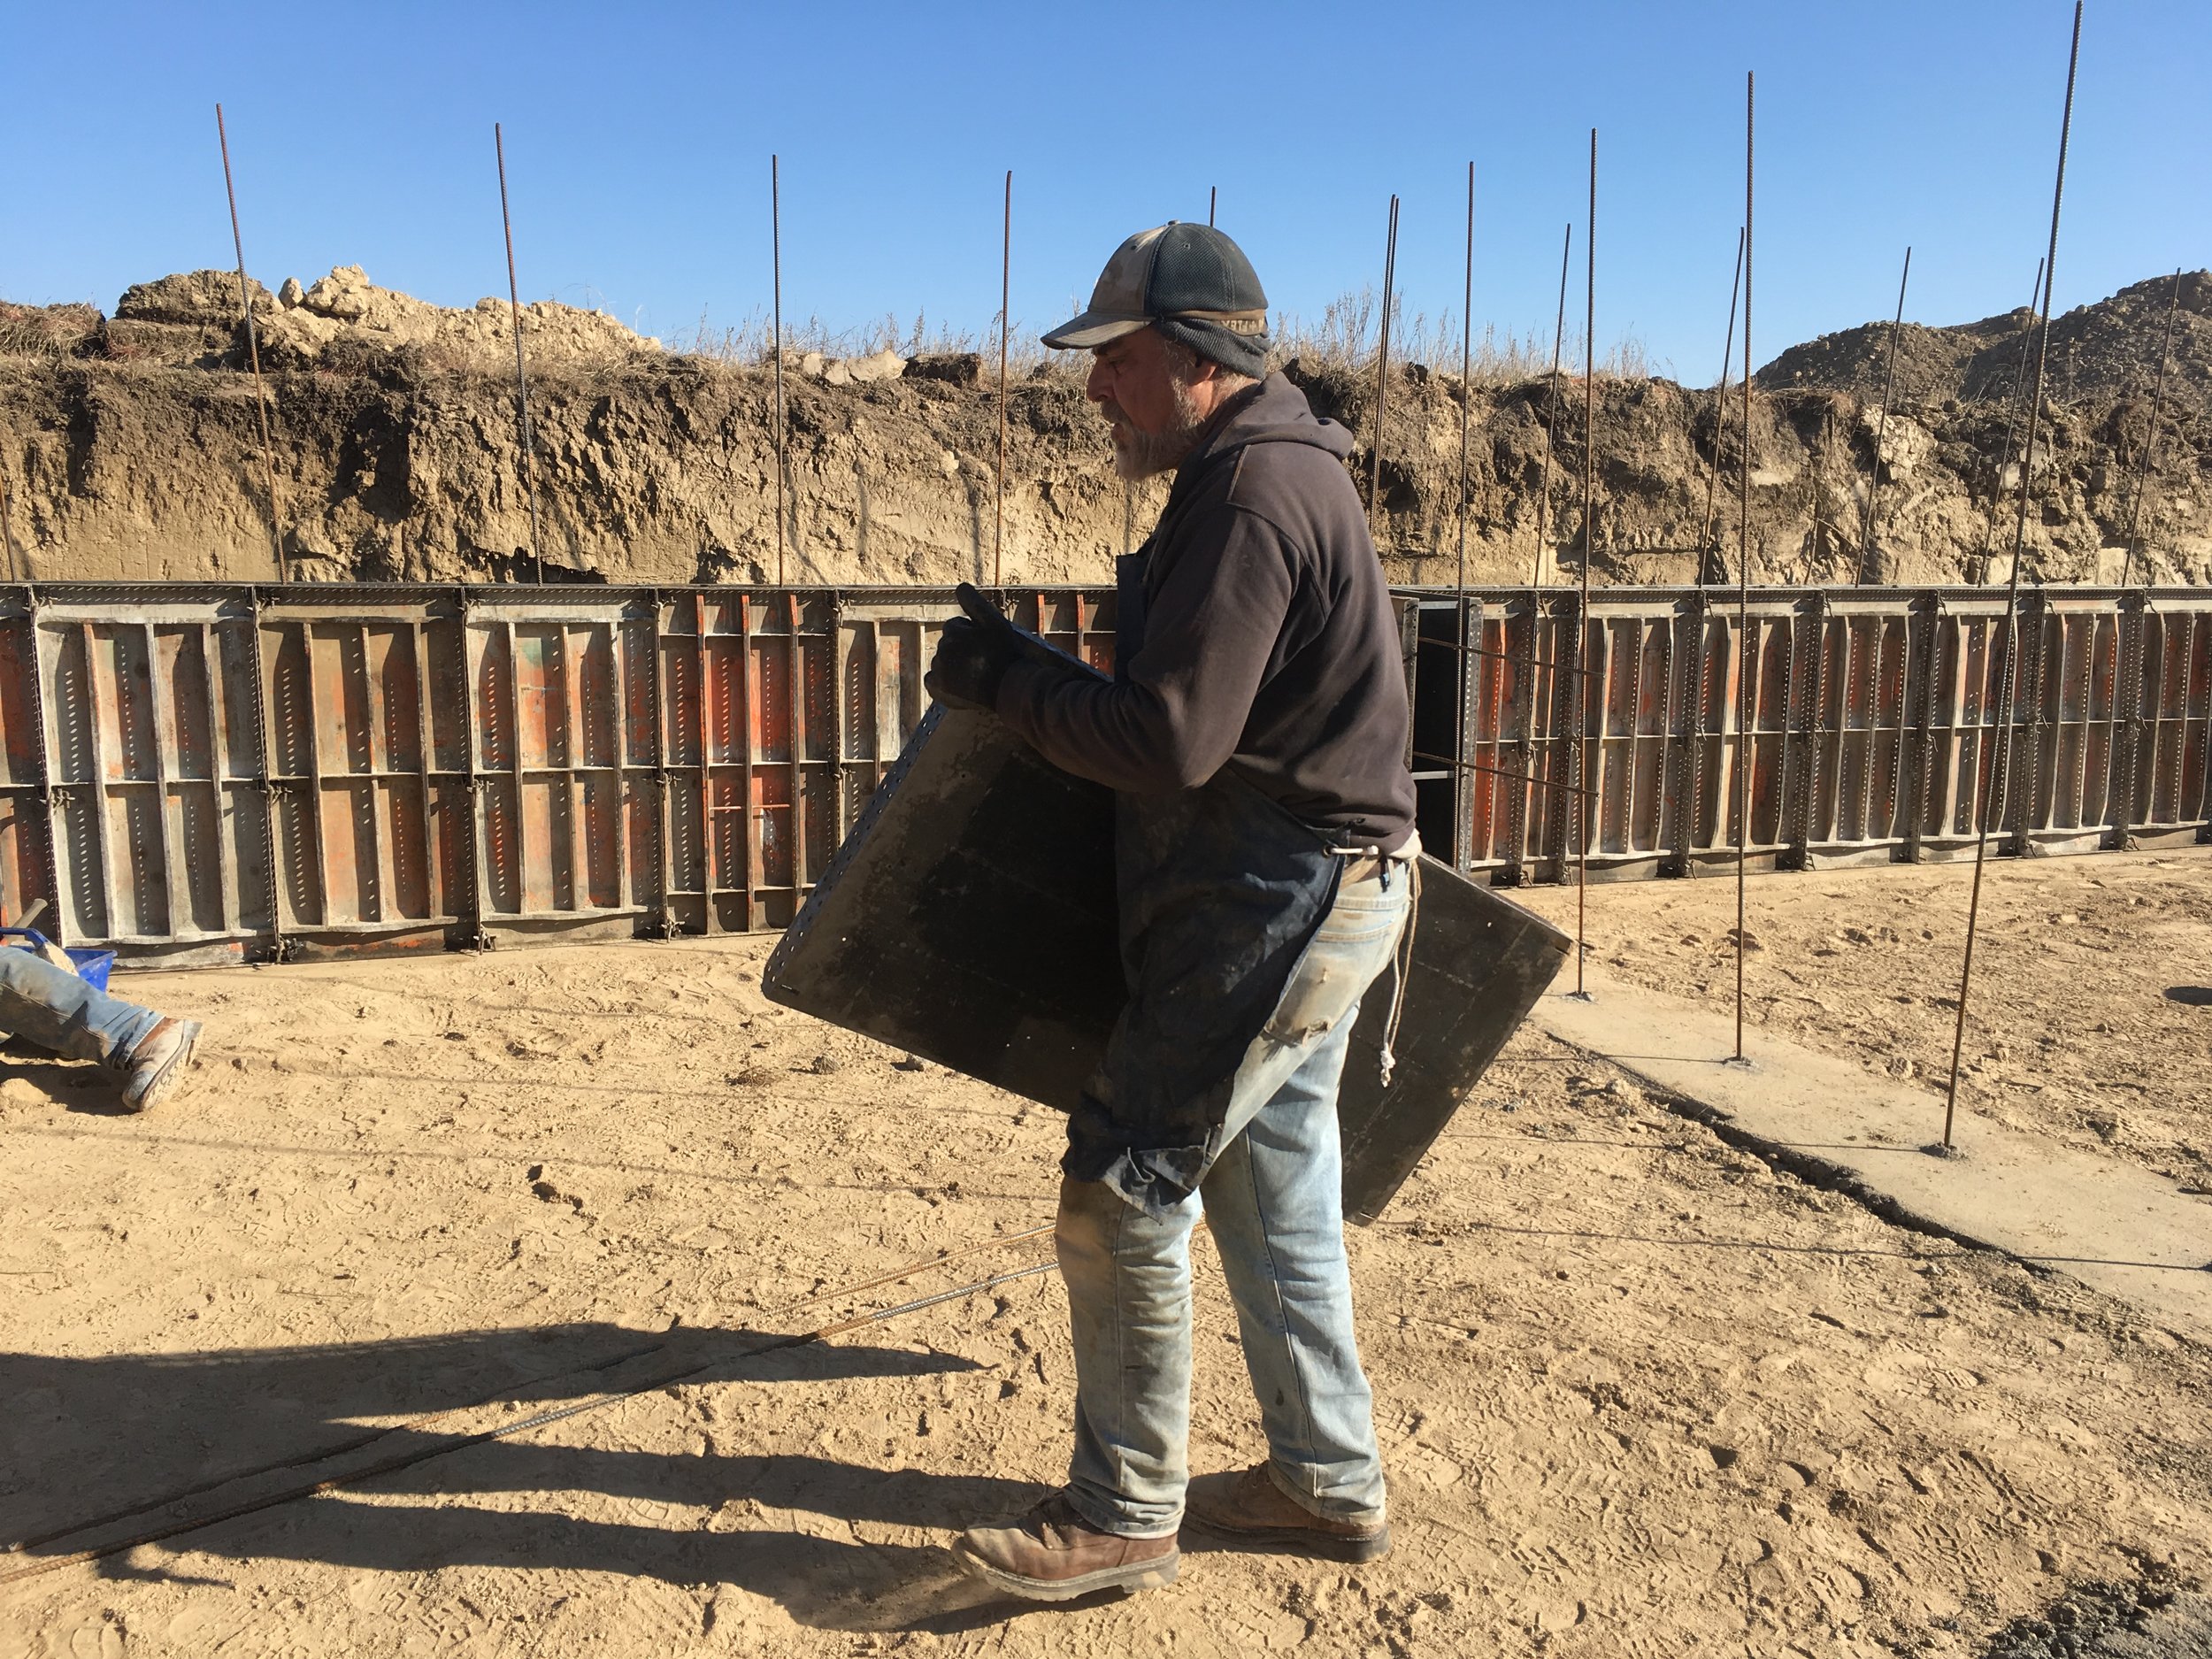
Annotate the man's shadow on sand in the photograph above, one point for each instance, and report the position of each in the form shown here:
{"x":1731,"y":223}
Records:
{"x":134,"y":1443}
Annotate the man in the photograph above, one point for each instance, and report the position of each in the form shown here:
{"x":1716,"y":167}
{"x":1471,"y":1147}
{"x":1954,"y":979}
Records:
{"x":46,"y":1004}
{"x":1254,"y":732}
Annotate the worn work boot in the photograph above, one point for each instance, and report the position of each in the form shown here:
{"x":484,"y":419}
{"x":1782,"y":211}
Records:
{"x":1248,"y":1506}
{"x":158,"y":1063}
{"x":1052,"y":1553}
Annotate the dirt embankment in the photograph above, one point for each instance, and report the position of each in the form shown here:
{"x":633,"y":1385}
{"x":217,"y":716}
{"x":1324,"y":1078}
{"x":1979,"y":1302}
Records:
{"x":130,"y":447}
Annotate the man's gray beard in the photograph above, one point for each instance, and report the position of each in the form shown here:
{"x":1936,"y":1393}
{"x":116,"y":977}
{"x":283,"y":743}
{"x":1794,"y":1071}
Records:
{"x":1147,"y":455}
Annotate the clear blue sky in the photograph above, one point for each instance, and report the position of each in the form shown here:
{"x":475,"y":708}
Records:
{"x":638,"y":143}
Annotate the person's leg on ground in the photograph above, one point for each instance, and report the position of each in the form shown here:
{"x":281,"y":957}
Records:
{"x":1114,"y":1525}
{"x":1274,"y":1199}
{"x":55,"y":1010}
{"x":1274,"y":1203}
{"x":1127,"y":1274}
{"x":1128,"y":1280}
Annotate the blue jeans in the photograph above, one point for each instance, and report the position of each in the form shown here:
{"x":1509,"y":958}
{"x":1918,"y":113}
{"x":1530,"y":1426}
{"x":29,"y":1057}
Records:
{"x":55,"y":1010}
{"x":1273,"y":1197}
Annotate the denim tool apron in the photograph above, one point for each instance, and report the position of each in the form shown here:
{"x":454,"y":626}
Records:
{"x":1221,"y":891}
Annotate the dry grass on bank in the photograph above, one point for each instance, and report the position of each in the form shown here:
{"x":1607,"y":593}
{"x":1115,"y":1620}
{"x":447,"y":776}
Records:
{"x":1346,"y":338}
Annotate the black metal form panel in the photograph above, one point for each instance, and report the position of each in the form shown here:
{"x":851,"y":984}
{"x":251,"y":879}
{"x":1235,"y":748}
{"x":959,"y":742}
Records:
{"x":970,"y":917}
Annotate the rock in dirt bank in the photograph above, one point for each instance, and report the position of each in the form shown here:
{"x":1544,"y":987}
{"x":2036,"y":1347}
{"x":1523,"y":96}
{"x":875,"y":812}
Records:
{"x":130,"y":449}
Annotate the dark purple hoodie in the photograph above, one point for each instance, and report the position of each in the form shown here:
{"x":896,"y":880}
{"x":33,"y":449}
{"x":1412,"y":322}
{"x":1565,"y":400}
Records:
{"x":1267,"y":639}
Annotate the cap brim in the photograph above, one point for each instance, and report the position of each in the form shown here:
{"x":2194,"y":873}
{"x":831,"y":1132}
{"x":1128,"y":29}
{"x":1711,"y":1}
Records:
{"x":1093,"y":328}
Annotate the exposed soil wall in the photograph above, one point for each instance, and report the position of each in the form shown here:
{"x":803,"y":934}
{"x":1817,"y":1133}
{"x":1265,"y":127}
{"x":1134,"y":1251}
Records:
{"x":130,"y":449}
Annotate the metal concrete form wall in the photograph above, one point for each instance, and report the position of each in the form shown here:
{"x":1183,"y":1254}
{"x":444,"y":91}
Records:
{"x":1872,"y":729}
{"x":224,"y":774}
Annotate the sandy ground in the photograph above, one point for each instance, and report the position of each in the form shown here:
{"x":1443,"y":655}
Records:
{"x":1640,"y":1395}
{"x":2089,"y":1017}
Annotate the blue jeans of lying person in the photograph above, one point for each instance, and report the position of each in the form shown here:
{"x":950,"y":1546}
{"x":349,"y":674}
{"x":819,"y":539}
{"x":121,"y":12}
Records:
{"x":1272,"y":1197}
{"x":57,"y":1010}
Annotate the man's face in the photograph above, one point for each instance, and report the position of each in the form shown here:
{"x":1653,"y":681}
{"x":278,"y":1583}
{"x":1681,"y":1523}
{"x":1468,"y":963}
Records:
{"x":1149,"y":410}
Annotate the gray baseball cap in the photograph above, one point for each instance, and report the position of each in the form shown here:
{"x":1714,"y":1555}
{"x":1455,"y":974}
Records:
{"x":1176,"y":273}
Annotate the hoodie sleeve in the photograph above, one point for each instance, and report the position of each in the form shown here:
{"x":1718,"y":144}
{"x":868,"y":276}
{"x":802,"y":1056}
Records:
{"x":1178,"y":713}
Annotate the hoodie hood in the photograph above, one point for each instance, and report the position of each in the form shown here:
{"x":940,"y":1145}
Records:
{"x":1273,"y":411}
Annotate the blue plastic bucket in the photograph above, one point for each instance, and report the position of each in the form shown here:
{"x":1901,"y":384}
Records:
{"x":92,"y":966}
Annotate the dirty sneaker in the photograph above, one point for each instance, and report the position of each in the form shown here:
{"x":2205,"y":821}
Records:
{"x":158,"y":1063}
{"x":1052,"y":1553}
{"x":1249,"y":1507}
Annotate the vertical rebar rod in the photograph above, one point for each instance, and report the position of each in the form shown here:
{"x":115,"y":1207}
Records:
{"x":775,"y":279}
{"x":253,"y":358}
{"x":1382,"y":372}
{"x":1536,"y":575}
{"x":1746,"y":752}
{"x":1720,"y":413}
{"x":1466,"y":377}
{"x":2130,"y":695}
{"x":2012,"y":420}
{"x":1881,"y":430}
{"x":7,"y":530}
{"x":1213,"y":195}
{"x":1005,"y":324}
{"x":1589,"y":552}
{"x":522,"y":384}
{"x":1999,"y":757}
{"x":2150,"y":441}
{"x":1551,"y":433}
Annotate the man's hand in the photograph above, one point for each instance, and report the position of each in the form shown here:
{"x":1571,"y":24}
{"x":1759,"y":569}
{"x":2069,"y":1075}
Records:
{"x":973,"y":654}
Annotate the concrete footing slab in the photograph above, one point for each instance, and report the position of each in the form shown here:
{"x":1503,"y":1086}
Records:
{"x":2122,"y":1230}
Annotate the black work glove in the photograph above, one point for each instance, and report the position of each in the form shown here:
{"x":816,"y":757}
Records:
{"x":973,"y":654}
